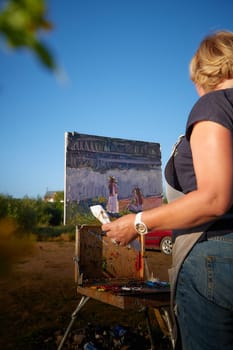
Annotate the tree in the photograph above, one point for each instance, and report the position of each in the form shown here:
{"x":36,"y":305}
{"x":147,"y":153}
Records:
{"x":21,"y":22}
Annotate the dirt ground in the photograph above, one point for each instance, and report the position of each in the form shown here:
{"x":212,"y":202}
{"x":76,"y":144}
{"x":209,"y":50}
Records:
{"x":39,"y":297}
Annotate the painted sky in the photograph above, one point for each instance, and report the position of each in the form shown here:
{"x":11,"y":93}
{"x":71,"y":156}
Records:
{"x":125,"y":74}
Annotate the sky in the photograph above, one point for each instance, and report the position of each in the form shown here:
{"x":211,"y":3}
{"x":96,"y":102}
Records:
{"x":123,"y":73}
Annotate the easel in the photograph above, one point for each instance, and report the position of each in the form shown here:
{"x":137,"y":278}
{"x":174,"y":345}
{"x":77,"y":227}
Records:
{"x":98,"y":261}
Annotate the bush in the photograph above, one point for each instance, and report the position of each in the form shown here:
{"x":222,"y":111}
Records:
{"x":45,"y":233}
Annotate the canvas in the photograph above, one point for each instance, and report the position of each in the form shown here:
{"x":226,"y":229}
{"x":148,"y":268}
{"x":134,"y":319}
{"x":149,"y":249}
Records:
{"x":121,"y":175}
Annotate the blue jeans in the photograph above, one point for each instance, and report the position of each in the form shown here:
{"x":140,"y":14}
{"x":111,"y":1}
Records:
{"x":204,"y":296}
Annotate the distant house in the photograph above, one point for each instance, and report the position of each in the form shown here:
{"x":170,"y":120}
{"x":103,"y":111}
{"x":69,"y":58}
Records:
{"x":51,"y":195}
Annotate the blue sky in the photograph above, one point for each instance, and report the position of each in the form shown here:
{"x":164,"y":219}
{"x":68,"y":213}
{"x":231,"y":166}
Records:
{"x":125,"y":74}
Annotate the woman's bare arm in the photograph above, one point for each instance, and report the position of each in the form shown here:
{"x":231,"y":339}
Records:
{"x":211,"y":146}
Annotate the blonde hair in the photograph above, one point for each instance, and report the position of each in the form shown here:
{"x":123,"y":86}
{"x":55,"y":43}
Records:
{"x":213,"y":61}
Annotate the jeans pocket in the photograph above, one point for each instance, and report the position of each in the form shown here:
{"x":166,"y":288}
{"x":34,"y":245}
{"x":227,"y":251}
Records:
{"x":220,"y":281}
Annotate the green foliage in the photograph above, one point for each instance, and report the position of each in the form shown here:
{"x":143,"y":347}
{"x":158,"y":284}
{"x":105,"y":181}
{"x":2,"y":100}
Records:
{"x":29,"y":213}
{"x":44,"y":233}
{"x":79,"y":213}
{"x":3,"y":206}
{"x":86,"y":219}
{"x":24,"y":220}
{"x":55,"y":214}
{"x":59,"y":197}
{"x":26,"y":214}
{"x":21,"y":22}
{"x":45,"y":219}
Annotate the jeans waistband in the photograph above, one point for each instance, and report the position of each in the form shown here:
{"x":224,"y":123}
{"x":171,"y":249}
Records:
{"x":227,"y":238}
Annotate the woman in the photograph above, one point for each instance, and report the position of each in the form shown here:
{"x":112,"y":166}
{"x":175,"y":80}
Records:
{"x":202,"y":219}
{"x":112,"y":205}
{"x":137,"y":200}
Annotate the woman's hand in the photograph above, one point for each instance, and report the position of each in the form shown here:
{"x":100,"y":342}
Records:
{"x":121,"y":230}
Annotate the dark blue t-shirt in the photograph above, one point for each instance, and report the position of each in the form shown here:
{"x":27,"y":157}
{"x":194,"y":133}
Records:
{"x":216,"y":106}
